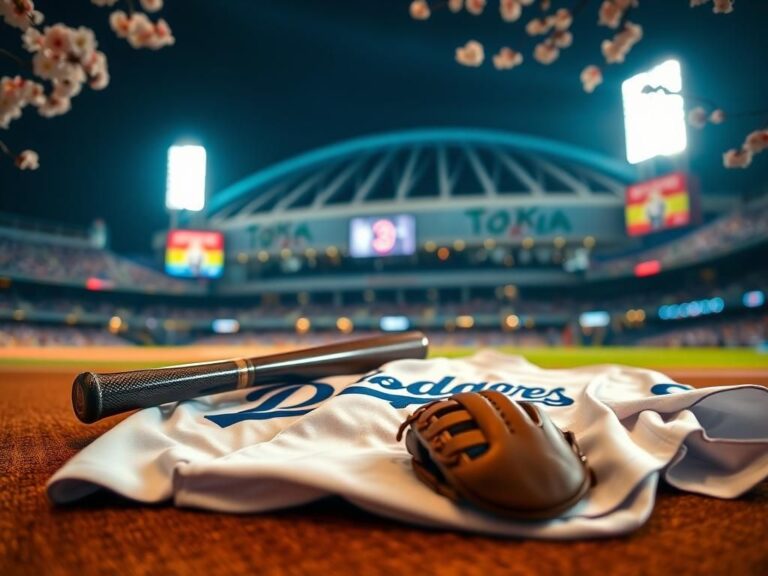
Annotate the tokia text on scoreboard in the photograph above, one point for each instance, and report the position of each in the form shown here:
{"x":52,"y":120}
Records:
{"x":194,"y":254}
{"x":658,"y":204}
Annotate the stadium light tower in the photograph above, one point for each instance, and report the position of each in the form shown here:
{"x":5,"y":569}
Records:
{"x":185,"y":186}
{"x":654,"y":113}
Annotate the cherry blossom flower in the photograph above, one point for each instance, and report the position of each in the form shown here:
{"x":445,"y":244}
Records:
{"x":49,"y":67}
{"x":15,"y":94}
{"x":163,"y":35}
{"x":617,"y":49}
{"x":591,"y":78}
{"x":723,"y":6}
{"x":475,"y":7}
{"x":139,"y":30}
{"x":32,"y":40}
{"x":612,"y":51}
{"x":20,"y":13}
{"x":54,"y":106}
{"x":562,"y":19}
{"x":697,"y":117}
{"x":740,"y":158}
{"x":562,"y":39}
{"x":83,"y":42}
{"x":98,"y":73}
{"x":58,"y":40}
{"x":720,"y":6}
{"x":27,"y":160}
{"x":144,"y":34}
{"x":66,"y":89}
{"x":471,"y":54}
{"x":120,"y":23}
{"x":609,"y":15}
{"x":507,"y":59}
{"x":511,"y":10}
{"x":546,"y":52}
{"x":152,"y":5}
{"x":419,"y":10}
{"x":455,"y":5}
{"x":717,"y":116}
{"x":756,"y":141}
{"x":537,"y":27}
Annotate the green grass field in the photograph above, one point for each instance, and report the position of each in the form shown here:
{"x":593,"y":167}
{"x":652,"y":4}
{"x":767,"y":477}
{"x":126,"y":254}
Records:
{"x":644,"y":357}
{"x":546,"y":357}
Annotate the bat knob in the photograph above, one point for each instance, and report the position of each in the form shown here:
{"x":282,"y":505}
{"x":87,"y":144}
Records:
{"x":86,"y":397}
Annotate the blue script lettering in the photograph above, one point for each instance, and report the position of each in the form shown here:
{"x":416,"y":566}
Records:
{"x":278,"y":401}
{"x":269,"y":407}
{"x":664,"y":389}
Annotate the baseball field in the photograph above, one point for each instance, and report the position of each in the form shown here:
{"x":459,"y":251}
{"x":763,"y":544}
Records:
{"x":686,"y":534}
{"x":698,"y":366}
{"x":545,"y":357}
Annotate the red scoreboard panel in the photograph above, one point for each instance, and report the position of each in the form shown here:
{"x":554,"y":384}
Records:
{"x":658,"y":204}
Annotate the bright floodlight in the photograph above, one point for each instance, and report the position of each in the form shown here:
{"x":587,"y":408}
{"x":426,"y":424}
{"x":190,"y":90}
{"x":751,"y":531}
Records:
{"x":185,"y":189}
{"x":654,"y":113}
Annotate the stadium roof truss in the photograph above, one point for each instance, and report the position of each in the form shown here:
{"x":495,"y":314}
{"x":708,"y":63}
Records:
{"x":412,"y":170}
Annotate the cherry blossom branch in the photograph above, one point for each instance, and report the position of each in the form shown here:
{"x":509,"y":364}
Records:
{"x":648,"y":89}
{"x":11,"y":56}
{"x":26,"y":160}
{"x":66,"y":59}
{"x":555,"y":29}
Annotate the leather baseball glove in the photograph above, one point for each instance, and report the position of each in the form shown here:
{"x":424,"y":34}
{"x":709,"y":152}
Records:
{"x":503,"y":456}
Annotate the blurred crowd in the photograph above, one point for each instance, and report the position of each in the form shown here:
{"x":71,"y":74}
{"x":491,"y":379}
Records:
{"x":750,"y":332}
{"x":528,"y":339}
{"x":743,"y":332}
{"x":521,"y":302}
{"x":40,"y":336}
{"x":52,"y":263}
{"x":745,"y":226}
{"x":49,"y":262}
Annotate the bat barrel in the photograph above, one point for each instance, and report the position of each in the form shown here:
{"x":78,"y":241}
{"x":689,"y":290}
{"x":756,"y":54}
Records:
{"x":96,"y":396}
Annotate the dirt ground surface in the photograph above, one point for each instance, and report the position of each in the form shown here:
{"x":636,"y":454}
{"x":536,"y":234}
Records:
{"x":686,"y":534}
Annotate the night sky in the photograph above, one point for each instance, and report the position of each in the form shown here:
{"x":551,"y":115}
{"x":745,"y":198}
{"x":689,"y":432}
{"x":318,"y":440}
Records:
{"x":258,"y":81}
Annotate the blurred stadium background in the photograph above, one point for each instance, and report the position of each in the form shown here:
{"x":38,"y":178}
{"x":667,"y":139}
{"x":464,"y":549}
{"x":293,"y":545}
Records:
{"x":394,"y":190}
{"x":477,"y":237}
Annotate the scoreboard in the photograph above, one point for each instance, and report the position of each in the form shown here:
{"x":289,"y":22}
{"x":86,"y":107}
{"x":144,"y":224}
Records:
{"x":382,"y":236}
{"x":194,"y":254}
{"x":658,"y":204}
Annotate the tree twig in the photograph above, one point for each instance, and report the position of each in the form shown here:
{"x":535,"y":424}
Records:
{"x":11,"y":56}
{"x":5,"y":150}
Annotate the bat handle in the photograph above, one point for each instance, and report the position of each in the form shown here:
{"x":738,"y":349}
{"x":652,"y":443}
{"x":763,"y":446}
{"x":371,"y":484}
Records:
{"x":96,"y":396}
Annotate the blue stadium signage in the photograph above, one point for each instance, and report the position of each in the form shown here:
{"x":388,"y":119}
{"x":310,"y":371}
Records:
{"x":518,"y":222}
{"x":473,"y":224}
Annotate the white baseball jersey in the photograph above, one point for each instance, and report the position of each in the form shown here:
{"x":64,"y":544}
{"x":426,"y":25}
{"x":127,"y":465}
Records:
{"x":287,"y":444}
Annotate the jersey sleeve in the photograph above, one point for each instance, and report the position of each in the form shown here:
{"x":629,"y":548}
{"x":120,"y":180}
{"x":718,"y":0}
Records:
{"x":728,"y":454}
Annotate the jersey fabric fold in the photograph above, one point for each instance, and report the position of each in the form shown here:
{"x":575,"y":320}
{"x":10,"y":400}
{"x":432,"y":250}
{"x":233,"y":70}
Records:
{"x":279,"y":446}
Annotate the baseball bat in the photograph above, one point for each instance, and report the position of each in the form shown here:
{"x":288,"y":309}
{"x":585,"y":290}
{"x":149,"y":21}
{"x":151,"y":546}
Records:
{"x":96,"y":396}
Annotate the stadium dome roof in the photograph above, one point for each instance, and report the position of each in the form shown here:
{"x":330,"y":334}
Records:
{"x":405,"y":169}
